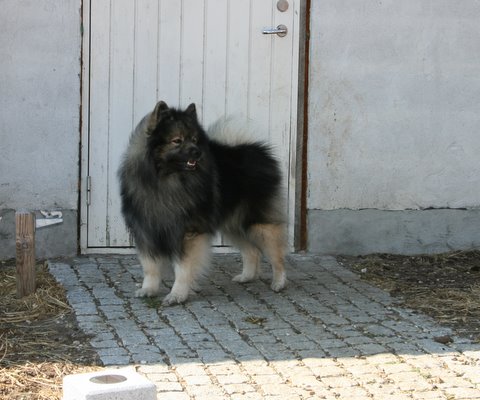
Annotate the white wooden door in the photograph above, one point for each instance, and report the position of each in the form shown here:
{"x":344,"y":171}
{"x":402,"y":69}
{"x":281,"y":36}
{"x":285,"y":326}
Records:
{"x":210,"y":52}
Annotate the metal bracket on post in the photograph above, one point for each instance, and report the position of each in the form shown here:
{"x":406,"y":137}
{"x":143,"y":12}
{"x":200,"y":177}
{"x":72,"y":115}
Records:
{"x":50,"y":218}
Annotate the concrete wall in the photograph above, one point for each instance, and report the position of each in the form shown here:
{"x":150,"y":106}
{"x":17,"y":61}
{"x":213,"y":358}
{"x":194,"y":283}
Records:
{"x":40,"y":47}
{"x":394,"y":125}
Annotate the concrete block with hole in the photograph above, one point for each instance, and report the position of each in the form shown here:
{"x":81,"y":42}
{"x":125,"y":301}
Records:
{"x":112,"y":384}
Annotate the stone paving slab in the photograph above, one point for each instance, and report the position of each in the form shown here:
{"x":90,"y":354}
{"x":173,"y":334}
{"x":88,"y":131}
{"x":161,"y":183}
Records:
{"x":329,"y":335}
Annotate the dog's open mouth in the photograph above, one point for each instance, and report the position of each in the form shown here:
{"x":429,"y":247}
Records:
{"x":191,"y":165}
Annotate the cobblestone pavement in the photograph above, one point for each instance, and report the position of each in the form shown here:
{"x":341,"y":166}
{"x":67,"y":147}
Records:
{"x":329,"y":335}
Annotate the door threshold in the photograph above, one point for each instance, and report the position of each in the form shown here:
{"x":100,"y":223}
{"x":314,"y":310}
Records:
{"x":132,"y":251}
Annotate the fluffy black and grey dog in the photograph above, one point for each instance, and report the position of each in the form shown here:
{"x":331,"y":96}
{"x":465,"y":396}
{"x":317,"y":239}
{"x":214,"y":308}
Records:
{"x":179,"y":186}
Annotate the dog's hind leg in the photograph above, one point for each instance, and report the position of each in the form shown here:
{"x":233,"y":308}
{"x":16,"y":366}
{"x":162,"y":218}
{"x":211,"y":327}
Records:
{"x":152,"y":276}
{"x":251,"y":260}
{"x":271,"y":239}
{"x":190,"y":267}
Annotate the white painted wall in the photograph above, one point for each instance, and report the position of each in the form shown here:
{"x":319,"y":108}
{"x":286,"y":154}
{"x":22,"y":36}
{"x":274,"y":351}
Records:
{"x":393,"y":122}
{"x":39,"y":103}
{"x":39,"y":119}
{"x":394,"y":104}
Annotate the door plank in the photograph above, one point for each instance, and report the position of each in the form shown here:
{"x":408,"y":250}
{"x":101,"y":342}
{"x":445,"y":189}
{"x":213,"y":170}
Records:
{"x":260,"y":67}
{"x":214,"y":60}
{"x":98,"y":119}
{"x":191,"y":66}
{"x":169,"y":51}
{"x":146,"y":56}
{"x":281,"y":78}
{"x":238,"y":58}
{"x":121,"y":107}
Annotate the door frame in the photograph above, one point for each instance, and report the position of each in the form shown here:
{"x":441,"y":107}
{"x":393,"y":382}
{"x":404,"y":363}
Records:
{"x":298,"y":137}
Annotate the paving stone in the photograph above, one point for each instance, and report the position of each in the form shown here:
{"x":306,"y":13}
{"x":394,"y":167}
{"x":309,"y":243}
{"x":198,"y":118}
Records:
{"x":206,"y":392}
{"x":112,"y":351}
{"x":268,"y":379}
{"x":355,"y":340}
{"x":153,"y":372}
{"x":132,"y":338}
{"x":232,"y":378}
{"x":338,"y":381}
{"x":329,"y":335}
{"x":114,"y":360}
{"x":410,"y":381}
{"x":238,"y":388}
{"x":343,"y":352}
{"x":173,"y":395}
{"x":459,"y":393}
{"x":312,"y":358}
{"x":143,"y":358}
{"x":84,"y":308}
{"x":429,"y":395}
{"x":351,"y":392}
{"x":197,"y":380}
{"x":247,"y":396}
{"x":169,"y":387}
{"x":370,"y":349}
{"x":395,"y":368}
{"x":104,"y":344}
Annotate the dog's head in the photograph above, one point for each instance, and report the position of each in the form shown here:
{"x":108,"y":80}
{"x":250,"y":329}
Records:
{"x":176,"y":141}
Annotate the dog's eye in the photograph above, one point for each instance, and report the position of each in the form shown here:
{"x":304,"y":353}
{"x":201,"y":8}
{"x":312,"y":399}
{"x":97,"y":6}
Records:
{"x":194,"y":139}
{"x":177,"y":141}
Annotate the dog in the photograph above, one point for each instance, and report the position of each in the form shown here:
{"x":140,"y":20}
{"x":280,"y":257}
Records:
{"x":180,"y":185}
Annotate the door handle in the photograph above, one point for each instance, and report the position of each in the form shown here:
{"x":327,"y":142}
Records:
{"x":280,"y":30}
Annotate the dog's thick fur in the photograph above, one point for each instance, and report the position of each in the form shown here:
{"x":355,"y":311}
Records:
{"x":179,"y":186}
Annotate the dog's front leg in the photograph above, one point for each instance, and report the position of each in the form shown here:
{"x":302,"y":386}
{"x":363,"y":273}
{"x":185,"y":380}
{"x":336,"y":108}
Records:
{"x":152,"y":277}
{"x":189,"y":268}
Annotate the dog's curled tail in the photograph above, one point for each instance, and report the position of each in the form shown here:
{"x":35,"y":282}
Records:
{"x":234,"y":131}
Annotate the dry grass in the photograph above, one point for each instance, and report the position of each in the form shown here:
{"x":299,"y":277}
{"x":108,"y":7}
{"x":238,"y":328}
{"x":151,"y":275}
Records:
{"x":36,"y":381}
{"x":444,"y":286}
{"x":459,"y":308}
{"x":39,"y":343}
{"x":48,"y":300}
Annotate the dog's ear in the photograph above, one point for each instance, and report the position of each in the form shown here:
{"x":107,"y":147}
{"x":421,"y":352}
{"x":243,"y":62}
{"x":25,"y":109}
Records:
{"x":159,"y":112}
{"x":192,"y":110}
{"x":160,"y":107}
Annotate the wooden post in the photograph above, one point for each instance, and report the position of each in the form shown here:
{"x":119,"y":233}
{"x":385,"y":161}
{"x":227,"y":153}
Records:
{"x":25,"y":252}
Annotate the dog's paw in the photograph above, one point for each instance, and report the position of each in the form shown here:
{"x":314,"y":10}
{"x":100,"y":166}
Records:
{"x":279,"y":284}
{"x":242,"y":278}
{"x":146,"y":292}
{"x":174,"y":298}
{"x":195,"y":288}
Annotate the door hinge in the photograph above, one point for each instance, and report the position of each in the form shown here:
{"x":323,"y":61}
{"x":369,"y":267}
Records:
{"x":89,"y":190}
